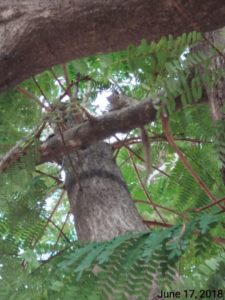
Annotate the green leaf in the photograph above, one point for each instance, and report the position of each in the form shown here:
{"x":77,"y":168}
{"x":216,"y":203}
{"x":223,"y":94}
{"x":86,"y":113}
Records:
{"x":80,"y":66}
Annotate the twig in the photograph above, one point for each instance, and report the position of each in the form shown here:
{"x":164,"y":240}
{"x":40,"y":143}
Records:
{"x":20,"y":149}
{"x":156,"y":223}
{"x":32,"y":97}
{"x":187,"y":165}
{"x":61,"y":230}
{"x":159,"y":206}
{"x":49,"y":259}
{"x":219,"y":240}
{"x":144,"y":189}
{"x":210,"y":205}
{"x":40,"y":89}
{"x":58,"y":228}
{"x":49,"y":220}
{"x":68,"y":84}
{"x":57,"y":79}
{"x":85,"y":78}
{"x":50,"y":176}
{"x":57,"y":204}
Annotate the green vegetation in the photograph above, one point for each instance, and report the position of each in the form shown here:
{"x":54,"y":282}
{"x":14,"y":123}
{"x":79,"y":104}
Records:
{"x":39,"y":255}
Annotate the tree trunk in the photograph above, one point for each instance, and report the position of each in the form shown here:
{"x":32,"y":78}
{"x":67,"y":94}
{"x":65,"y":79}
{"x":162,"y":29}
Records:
{"x":99,"y":198}
{"x":216,"y":95}
{"x":35,"y":35}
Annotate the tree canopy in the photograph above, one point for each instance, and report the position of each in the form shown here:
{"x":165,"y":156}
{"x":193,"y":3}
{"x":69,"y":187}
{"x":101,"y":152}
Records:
{"x":182,"y":202}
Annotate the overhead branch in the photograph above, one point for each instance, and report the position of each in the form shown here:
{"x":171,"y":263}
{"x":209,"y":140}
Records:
{"x":92,"y":131}
{"x":36,"y":35}
{"x":101,"y":128}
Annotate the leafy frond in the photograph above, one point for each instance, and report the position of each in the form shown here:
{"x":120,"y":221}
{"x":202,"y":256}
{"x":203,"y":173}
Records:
{"x":37,"y":259}
{"x":127,"y":265}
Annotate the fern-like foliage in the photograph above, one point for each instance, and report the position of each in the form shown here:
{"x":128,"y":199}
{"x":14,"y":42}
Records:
{"x":128,"y":265}
{"x":39,"y":257}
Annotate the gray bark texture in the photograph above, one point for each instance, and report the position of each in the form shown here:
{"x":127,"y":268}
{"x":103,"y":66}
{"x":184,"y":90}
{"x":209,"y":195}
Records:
{"x":38,"y":34}
{"x":99,"y":198}
{"x":216,"y":95}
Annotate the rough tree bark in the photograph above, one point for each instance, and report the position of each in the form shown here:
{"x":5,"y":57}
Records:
{"x":91,"y":132}
{"x":99,"y":198}
{"x":216,"y":95}
{"x":35,"y":35}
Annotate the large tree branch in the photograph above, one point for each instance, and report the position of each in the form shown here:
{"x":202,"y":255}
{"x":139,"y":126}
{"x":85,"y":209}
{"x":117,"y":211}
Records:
{"x":102,"y":127}
{"x":88,"y":133}
{"x":35,"y":35}
{"x":92,"y":131}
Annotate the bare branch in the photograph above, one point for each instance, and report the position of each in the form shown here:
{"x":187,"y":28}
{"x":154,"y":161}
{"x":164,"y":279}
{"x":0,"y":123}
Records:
{"x":32,"y":97}
{"x":91,"y":131}
{"x":187,"y":165}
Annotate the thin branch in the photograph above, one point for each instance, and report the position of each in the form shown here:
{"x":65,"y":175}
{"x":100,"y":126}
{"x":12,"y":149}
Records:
{"x":127,"y":141}
{"x":57,"y":79}
{"x":40,"y":89}
{"x":61,"y":230}
{"x":156,"y":138}
{"x":32,"y":97}
{"x":68,"y":83}
{"x":210,"y":205}
{"x":58,"y":228}
{"x":84,"y":78}
{"x":161,"y":171}
{"x":20,"y":149}
{"x":219,"y":240}
{"x":159,"y":206}
{"x":156,"y":223}
{"x":49,"y":220}
{"x":177,"y":138}
{"x":122,"y":144}
{"x":143,"y":187}
{"x":57,"y":204}
{"x":187,"y":165}
{"x":154,"y":167}
{"x":50,"y":258}
{"x":53,"y":189}
{"x":50,"y":176}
